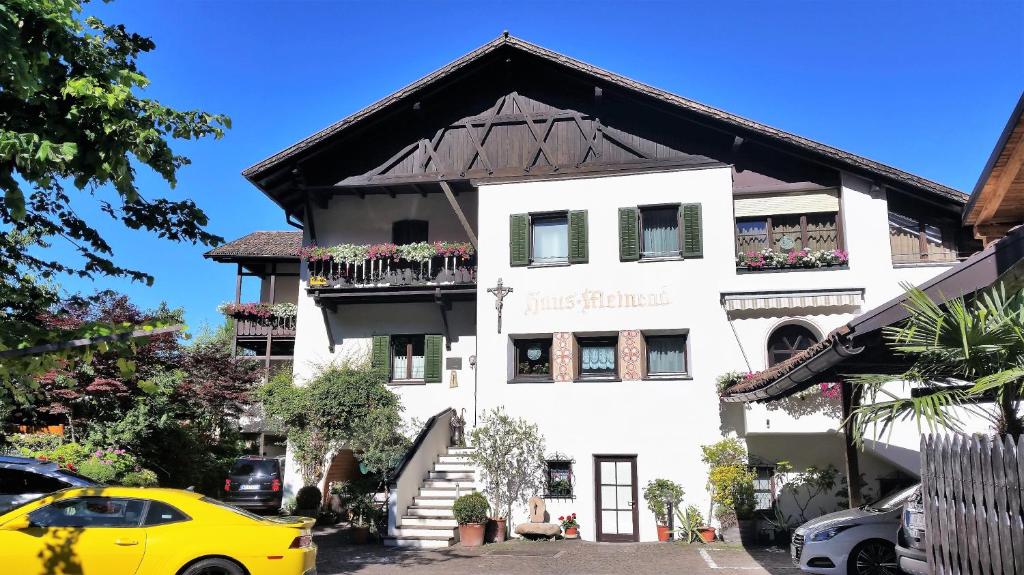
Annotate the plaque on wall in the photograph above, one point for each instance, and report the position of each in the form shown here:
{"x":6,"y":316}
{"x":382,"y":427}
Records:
{"x":453,"y":363}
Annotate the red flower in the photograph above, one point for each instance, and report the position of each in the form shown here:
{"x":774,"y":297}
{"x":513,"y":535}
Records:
{"x":561,"y":518}
{"x":574,"y":516}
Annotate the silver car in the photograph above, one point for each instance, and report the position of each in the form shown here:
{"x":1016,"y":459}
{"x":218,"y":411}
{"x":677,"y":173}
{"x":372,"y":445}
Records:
{"x":852,"y":542}
{"x":23,"y":479}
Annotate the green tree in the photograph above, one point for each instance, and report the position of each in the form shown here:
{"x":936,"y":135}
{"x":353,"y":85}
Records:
{"x":72,"y":119}
{"x":510,"y":455}
{"x":958,"y":353}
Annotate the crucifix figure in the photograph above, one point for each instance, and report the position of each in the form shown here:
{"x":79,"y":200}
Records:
{"x":499,"y":292}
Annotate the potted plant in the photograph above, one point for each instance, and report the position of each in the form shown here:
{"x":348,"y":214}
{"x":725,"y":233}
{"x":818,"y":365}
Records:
{"x":364,"y":511}
{"x":570,"y":526}
{"x":692,"y":526}
{"x":560,"y":488}
{"x":470,"y":512}
{"x":307,"y":501}
{"x":779,"y":524}
{"x":659,"y":493}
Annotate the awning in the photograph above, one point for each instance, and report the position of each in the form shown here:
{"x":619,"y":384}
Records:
{"x":1000,"y":261}
{"x":745,"y":301}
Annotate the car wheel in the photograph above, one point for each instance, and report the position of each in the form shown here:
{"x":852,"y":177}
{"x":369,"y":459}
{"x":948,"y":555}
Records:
{"x":873,"y":558}
{"x":214,"y":566}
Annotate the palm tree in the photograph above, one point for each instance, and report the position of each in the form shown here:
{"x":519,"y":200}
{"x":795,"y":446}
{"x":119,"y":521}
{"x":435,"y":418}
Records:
{"x":959,"y":352}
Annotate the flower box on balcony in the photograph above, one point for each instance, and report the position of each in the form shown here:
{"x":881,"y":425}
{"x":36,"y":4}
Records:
{"x":390,"y":265}
{"x":769,"y":259}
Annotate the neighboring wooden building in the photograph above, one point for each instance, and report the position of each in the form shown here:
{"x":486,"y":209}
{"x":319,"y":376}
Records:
{"x":997,"y":203}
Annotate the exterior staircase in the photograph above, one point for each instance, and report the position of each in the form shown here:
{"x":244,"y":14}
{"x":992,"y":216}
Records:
{"x":429,"y":521}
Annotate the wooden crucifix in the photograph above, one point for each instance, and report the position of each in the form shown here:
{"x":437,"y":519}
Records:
{"x":499,"y":291}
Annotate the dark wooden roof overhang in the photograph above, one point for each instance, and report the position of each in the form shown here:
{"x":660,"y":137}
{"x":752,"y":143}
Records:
{"x":288,"y":177}
{"x":858,"y":345}
{"x":997,"y":201}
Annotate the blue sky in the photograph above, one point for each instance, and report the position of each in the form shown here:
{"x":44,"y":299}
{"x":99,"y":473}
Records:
{"x":924,"y":86}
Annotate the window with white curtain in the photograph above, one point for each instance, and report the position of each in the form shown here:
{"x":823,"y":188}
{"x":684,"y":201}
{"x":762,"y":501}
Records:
{"x":550,"y":239}
{"x":598,"y":357}
{"x":659,"y":232}
{"x":666,"y":355}
{"x":407,"y":357}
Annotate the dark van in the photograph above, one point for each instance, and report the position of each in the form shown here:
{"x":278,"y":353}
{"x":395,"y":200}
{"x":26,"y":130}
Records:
{"x":255,"y":483}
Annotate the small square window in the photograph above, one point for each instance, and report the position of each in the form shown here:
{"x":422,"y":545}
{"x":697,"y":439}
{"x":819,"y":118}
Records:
{"x":533,"y":359}
{"x":666,"y":355}
{"x":559,"y":479}
{"x":550,"y":241}
{"x":407,"y":357}
{"x":659,"y":232}
{"x":598,"y":357}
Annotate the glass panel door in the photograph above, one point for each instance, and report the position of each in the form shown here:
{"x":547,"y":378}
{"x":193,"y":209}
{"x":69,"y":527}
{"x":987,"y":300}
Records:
{"x":616,"y":498}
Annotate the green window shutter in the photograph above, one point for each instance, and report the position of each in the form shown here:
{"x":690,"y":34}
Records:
{"x":578,"y":253}
{"x":693,"y":237}
{"x":519,"y":239}
{"x":432,"y":346}
{"x":629,"y":235}
{"x":381,"y":354}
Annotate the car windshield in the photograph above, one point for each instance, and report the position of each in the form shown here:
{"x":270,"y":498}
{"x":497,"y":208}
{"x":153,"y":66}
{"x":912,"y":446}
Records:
{"x":255,"y":467}
{"x":4,"y":511}
{"x":893,"y":501}
{"x":237,"y":510}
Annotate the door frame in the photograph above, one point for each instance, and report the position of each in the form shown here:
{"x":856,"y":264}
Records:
{"x":615,"y":538}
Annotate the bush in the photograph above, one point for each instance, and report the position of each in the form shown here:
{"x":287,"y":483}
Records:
{"x":309,"y":497}
{"x":97,"y":470}
{"x":140,"y":478}
{"x":660,"y":491}
{"x":470,"y":508}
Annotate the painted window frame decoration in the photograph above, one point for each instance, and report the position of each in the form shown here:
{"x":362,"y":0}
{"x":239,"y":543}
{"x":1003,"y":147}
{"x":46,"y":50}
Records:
{"x":521,"y":348}
{"x":685,"y":349}
{"x":602,"y":341}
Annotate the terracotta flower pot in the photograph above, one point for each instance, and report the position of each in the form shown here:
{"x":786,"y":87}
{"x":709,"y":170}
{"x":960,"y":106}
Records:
{"x":472,"y":534}
{"x":662,"y":532}
{"x":572,"y":532}
{"x":360,"y":535}
{"x":707,"y":534}
{"x":497,"y":530}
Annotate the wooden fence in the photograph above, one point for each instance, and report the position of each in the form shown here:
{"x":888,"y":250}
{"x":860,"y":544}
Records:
{"x":973,"y":489}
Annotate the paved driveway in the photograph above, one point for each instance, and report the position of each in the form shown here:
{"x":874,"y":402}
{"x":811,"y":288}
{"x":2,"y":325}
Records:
{"x":550,"y":558}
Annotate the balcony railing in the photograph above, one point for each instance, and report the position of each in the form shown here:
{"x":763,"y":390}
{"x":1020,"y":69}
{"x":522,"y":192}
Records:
{"x":262,"y":327}
{"x":398,"y":272}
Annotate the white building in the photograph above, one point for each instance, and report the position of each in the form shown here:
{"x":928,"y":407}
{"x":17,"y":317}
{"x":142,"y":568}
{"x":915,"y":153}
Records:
{"x":615,"y":212}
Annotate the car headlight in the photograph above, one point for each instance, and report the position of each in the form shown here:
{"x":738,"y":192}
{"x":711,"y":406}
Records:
{"x":829,"y":533}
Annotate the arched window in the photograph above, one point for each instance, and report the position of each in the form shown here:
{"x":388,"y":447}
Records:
{"x":787,"y":341}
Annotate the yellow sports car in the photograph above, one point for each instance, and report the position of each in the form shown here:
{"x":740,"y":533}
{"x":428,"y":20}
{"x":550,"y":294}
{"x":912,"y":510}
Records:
{"x":143,"y":531}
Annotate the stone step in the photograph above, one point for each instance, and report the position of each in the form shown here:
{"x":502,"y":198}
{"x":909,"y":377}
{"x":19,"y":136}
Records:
{"x":419,"y":542}
{"x":433,"y":501}
{"x":425,"y":531}
{"x":461,"y":450}
{"x":456,"y":459}
{"x":454,"y":467}
{"x":415,"y":521}
{"x":452,"y":475}
{"x":421,"y":511}
{"x":444,"y":492}
{"x":462,"y":484}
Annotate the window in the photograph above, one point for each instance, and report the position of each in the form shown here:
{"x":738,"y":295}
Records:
{"x":90,"y":512}
{"x":598,"y":358}
{"x":409,"y":232}
{"x":18,"y":482}
{"x":160,"y":513}
{"x":764,"y":486}
{"x":787,"y":341}
{"x":550,"y":244}
{"x":666,"y":355}
{"x":533,"y":359}
{"x":559,"y":478}
{"x":788,"y":232}
{"x":921,"y":239}
{"x":659,"y":232}
{"x":407,"y":357}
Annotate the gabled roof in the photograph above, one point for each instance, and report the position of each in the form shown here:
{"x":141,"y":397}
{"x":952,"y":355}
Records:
{"x":721,"y":120}
{"x":278,"y":245}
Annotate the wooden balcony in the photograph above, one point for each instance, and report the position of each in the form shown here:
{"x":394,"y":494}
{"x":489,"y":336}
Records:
{"x":449,"y":277}
{"x":275,"y":327}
